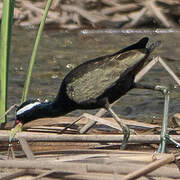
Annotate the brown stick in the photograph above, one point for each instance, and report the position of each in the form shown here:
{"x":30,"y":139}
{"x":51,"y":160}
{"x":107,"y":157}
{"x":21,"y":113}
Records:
{"x":176,"y":120}
{"x":89,"y":176}
{"x":13,"y":175}
{"x":87,"y":167}
{"x":136,"y":19}
{"x":26,"y":148}
{"x":32,"y":7}
{"x":146,"y":69}
{"x":120,"y":8}
{"x":43,"y":174}
{"x":169,"y":70}
{"x":92,"y":17}
{"x":40,"y":137}
{"x":10,"y":109}
{"x":149,"y":168}
{"x":126,"y":167}
{"x":78,"y":176}
{"x":91,"y":123}
{"x":156,"y":11}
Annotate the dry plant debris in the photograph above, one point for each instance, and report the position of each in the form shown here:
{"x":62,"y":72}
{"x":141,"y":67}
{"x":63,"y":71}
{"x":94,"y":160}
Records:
{"x":93,"y":164}
{"x":71,"y":14}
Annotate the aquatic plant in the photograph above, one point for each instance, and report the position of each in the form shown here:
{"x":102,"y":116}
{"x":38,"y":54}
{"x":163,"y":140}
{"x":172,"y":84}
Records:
{"x":32,"y":60}
{"x":5,"y":44}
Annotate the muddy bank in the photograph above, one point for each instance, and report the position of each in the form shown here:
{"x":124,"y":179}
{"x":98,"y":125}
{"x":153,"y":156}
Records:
{"x":70,"y":14}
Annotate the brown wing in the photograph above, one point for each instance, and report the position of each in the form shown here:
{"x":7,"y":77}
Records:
{"x":97,"y":76}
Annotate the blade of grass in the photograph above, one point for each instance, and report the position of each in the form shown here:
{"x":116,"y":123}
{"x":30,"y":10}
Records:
{"x":32,"y":60}
{"x":5,"y":44}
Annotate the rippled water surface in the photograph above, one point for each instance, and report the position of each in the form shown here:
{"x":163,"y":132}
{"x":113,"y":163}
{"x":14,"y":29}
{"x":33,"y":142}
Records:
{"x":59,"y":51}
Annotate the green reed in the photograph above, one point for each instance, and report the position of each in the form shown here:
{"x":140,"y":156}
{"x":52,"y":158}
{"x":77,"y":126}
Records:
{"x":32,"y":60}
{"x":5,"y":44}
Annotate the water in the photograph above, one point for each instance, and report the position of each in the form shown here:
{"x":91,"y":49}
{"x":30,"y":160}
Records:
{"x":59,"y":51}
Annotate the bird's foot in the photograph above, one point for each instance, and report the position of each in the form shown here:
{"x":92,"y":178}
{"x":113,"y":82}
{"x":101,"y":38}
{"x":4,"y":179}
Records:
{"x":162,"y":146}
{"x":172,"y":141}
{"x":126,"y":132}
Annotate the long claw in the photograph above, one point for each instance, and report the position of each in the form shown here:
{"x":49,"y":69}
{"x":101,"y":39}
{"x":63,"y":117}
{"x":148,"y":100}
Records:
{"x":126,"y":132}
{"x":173,"y":141}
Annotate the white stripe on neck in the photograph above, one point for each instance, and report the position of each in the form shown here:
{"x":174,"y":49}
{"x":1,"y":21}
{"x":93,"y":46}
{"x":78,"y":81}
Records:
{"x":27,"y":107}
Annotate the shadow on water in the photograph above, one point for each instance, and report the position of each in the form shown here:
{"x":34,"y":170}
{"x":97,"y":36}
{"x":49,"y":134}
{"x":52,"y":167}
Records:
{"x":59,"y":51}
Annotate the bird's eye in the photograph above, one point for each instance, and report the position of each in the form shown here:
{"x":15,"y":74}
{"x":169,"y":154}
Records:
{"x":17,"y":121}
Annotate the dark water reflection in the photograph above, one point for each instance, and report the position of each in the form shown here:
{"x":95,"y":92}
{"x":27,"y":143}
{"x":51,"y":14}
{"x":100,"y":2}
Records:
{"x":61,"y":50}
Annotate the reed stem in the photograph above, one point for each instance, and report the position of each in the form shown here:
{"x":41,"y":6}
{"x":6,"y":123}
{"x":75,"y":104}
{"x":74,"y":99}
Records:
{"x":5,"y":44}
{"x":32,"y":60}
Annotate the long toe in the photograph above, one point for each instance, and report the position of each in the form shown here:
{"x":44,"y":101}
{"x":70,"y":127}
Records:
{"x":126,"y":133}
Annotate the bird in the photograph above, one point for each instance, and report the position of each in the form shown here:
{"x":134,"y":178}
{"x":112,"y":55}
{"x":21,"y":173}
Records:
{"x":93,"y":84}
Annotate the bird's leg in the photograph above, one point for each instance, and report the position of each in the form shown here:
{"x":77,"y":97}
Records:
{"x":124,"y":127}
{"x":164,"y":134}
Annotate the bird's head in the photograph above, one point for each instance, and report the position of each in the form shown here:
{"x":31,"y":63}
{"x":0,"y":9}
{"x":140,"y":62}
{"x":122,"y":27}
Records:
{"x":25,"y":112}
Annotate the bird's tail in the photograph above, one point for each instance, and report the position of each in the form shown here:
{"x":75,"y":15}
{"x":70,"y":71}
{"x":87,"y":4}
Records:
{"x":153,"y":46}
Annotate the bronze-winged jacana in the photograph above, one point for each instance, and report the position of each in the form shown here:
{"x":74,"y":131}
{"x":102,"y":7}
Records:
{"x":93,"y":84}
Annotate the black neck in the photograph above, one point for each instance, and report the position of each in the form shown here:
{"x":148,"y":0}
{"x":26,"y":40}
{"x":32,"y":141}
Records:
{"x":50,"y":109}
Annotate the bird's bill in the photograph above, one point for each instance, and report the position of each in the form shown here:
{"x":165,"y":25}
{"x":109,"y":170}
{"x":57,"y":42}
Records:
{"x":15,"y":130}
